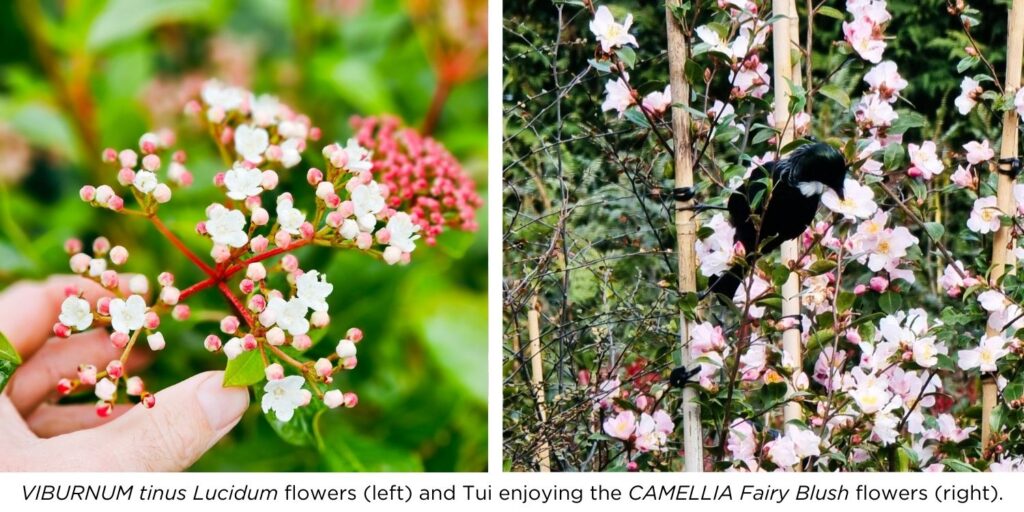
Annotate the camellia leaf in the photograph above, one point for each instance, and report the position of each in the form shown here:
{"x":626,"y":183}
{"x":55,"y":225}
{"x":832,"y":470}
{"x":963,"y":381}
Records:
{"x":831,"y":12}
{"x":244,"y":370}
{"x":890,"y":302}
{"x":836,"y":94}
{"x":959,"y":466}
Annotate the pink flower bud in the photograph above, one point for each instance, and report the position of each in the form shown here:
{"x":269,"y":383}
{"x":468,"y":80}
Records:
{"x":355,"y":334}
{"x":346,"y":209}
{"x":71,"y":290}
{"x":258,"y":244}
{"x":350,"y":363}
{"x":138,"y":284}
{"x":365,"y":177}
{"x":125,"y":176}
{"x":151,"y":320}
{"x":301,"y":342}
{"x":632,"y":466}
{"x":246,"y":286}
{"x":201,"y":228}
{"x":860,"y":289}
{"x":269,"y":180}
{"x":334,"y":399}
{"x":257,"y":303}
{"x":162,"y":193}
{"x":87,"y":193}
{"x":220,"y":253}
{"x":100,"y":246}
{"x":87,"y":374}
{"x":351,"y":400}
{"x":274,"y":153}
{"x":156,"y":341}
{"x":218,"y":179}
{"x":103,"y":194}
{"x":315,"y":133}
{"x":323,"y":368}
{"x":332,"y":200}
{"x":392,"y":255}
{"x":61,"y":331}
{"x":334,"y":219}
{"x":170,"y":295}
{"x":290,"y":263}
{"x":879,"y":284}
{"x":80,"y":263}
{"x":305,"y":397}
{"x":134,"y":386}
{"x":253,"y":202}
{"x":274,"y":372}
{"x":104,"y":409}
{"x":118,"y":255}
{"x":319,"y":319}
{"x":256,"y":271}
{"x":103,"y":305}
{"x":119,"y":339}
{"x":181,"y":312}
{"x":233,"y":348}
{"x":346,"y":348}
{"x":339,"y":159}
{"x":165,"y":279}
{"x":115,"y":203}
{"x":128,"y":158}
{"x":108,"y":155}
{"x":364,"y":241}
{"x":64,"y":386}
{"x":148,"y":143}
{"x":108,"y":279}
{"x":229,"y":324}
{"x":212,"y":343}
{"x":383,"y":236}
{"x":275,"y":336}
{"x":148,"y":399}
{"x":914,"y":172}
{"x":314,"y":176}
{"x":282,"y":239}
{"x":115,"y":370}
{"x":260,"y":216}
{"x":227,"y":135}
{"x":306,"y":230}
{"x":151,"y":162}
{"x":324,"y":188}
{"x":249,"y":342}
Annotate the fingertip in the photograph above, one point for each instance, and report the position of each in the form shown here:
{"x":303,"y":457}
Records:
{"x":222,"y":406}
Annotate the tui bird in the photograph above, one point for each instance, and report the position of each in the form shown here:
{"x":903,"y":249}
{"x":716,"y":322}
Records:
{"x":786,"y":210}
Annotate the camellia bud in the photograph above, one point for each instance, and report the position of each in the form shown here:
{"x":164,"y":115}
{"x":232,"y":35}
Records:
{"x":334,"y":219}
{"x":212,"y":343}
{"x":364,"y":241}
{"x":346,"y":348}
{"x":220,"y":253}
{"x":162,"y":193}
{"x":165,"y":279}
{"x":108,"y":155}
{"x":246,"y":286}
{"x":350,"y":363}
{"x":103,"y":305}
{"x":879,"y":284}
{"x":334,"y":399}
{"x":126,"y":176}
{"x":324,"y":189}
{"x":304,"y":397}
{"x":128,"y":158}
{"x":149,"y":142}
{"x":151,"y":162}
{"x":392,"y":255}
{"x":282,"y":239}
{"x":104,"y":409}
{"x":229,"y":324}
{"x":269,"y":181}
{"x":87,"y":193}
{"x":307,"y":230}
{"x":100,"y":246}
{"x":274,"y":372}
{"x":148,"y":399}
{"x":383,"y":236}
{"x":315,"y":176}
{"x":115,"y":203}
{"x":257,"y":303}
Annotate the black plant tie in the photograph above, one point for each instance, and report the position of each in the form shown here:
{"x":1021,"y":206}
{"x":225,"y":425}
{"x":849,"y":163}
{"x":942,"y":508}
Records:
{"x":1009,"y":167}
{"x":680,"y":376}
{"x":683,"y":194}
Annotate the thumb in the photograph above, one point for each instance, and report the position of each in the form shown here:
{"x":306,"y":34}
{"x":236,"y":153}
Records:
{"x":188,"y":419}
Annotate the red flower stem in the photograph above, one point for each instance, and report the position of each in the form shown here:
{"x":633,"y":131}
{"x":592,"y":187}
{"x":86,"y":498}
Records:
{"x":236,"y":303}
{"x":260,"y":257}
{"x":201,"y":285}
{"x":181,"y":245}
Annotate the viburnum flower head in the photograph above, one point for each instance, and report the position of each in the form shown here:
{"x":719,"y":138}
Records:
{"x":859,"y":202}
{"x":985,"y":216}
{"x":243,"y":182}
{"x":226,"y":227}
{"x":289,"y":315}
{"x":76,"y":313}
{"x":283,"y":396}
{"x":609,"y":33}
{"x":251,"y":142}
{"x":313,"y":289}
{"x":127,"y":315}
{"x":224,"y":97}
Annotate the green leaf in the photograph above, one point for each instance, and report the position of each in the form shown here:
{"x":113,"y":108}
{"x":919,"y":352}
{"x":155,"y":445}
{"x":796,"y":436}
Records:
{"x":959,"y":466}
{"x":123,"y":19}
{"x":636,"y":117}
{"x":346,"y":449}
{"x":300,"y":430}
{"x":831,"y":12}
{"x":890,"y":302}
{"x":1013,"y":391}
{"x":845,"y":301}
{"x":906,"y":121}
{"x":245,"y":370}
{"x":627,"y":55}
{"x":7,"y":351}
{"x":821,"y":266}
{"x":935,"y":230}
{"x":6,"y":370}
{"x":836,"y":94}
{"x":780,"y":274}
{"x":966,"y":63}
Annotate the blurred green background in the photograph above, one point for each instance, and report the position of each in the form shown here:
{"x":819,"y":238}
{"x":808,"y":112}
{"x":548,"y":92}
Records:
{"x":78,"y":76}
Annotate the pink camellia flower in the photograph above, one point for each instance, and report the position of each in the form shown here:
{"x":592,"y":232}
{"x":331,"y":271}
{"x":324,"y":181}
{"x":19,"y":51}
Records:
{"x":658,"y":101}
{"x":963,"y":177}
{"x":621,"y":426}
{"x":885,"y":79}
{"x":979,"y":152}
{"x":610,"y":34}
{"x":618,"y":96}
{"x":648,"y":436}
{"x":873,"y":112}
{"x":970,"y":91}
{"x":717,"y":251}
{"x":925,"y":159}
{"x":861,"y":35}
{"x":985,"y":216}
{"x":859,"y":201}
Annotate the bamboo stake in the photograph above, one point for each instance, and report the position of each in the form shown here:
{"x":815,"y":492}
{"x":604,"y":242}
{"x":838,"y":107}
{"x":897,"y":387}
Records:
{"x":782,"y":44}
{"x":1004,"y":193}
{"x":686,"y":229}
{"x":537,"y":380}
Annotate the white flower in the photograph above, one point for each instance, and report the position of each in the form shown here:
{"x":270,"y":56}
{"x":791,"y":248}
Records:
{"x":884,"y":428}
{"x":283,"y":396}
{"x":75,"y":312}
{"x":618,"y":97}
{"x":648,"y":437}
{"x":979,"y":152}
{"x":872,"y":10}
{"x":127,"y":315}
{"x":265,"y":110}
{"x":358,"y":157}
{"x":858,"y":203}
{"x":216,"y":94}
{"x":346,"y":349}
{"x":145,"y":181}
{"x":926,"y":351}
{"x":985,"y":216}
{"x":658,"y":101}
{"x":783,"y":452}
{"x":289,"y":217}
{"x":871,"y":393}
{"x":890,"y":246}
{"x":860,"y":33}
{"x":609,"y":33}
{"x":993,"y":301}
{"x":710,"y":37}
{"x":225,"y":226}
{"x":886,"y":79}
{"x":969,"y":89}
{"x":367,"y":202}
{"x":289,"y":315}
{"x":313,"y":290}
{"x":806,"y":443}
{"x":621,"y":426}
{"x":753,"y":81}
{"x":403,"y":232}
{"x":715,"y":252}
{"x":243,"y":182}
{"x":1018,"y":101}
{"x":290,"y":155}
{"x":925,"y":158}
{"x":875,"y":111}
{"x":985,"y":357}
{"x":251,"y":142}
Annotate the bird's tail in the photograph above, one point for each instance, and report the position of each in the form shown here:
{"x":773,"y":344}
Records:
{"x":726,"y":284}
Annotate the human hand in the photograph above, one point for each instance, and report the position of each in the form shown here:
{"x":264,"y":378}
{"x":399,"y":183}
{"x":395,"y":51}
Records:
{"x":39,"y":436}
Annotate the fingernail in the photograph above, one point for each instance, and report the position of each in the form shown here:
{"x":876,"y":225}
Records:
{"x":222,"y":406}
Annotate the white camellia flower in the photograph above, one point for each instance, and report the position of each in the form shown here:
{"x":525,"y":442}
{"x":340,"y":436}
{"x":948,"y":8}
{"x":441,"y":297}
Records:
{"x":367,"y":202}
{"x":145,"y":181}
{"x":710,"y":37}
{"x":716,"y":252}
{"x":313,"y":290}
{"x":283,"y":396}
{"x":358,"y":157}
{"x":289,"y":315}
{"x":127,"y":315}
{"x":618,"y":96}
{"x":243,"y":182}
{"x":926,"y":159}
{"x":659,"y":101}
{"x":225,"y":226}
{"x":251,"y":142}
{"x":609,"y":33}
{"x":886,"y":79}
{"x":1018,"y":101}
{"x":985,"y":216}
{"x":978,"y":152}
{"x":858,"y":204}
{"x":227,"y":98}
{"x":989,"y":352}
{"x":289,"y":217}
{"x":75,"y":312}
{"x":890,"y":246}
{"x":926,"y":351}
{"x":403,"y":232}
{"x":967,"y":99}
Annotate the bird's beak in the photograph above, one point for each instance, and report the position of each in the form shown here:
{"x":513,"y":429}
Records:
{"x":839,"y":191}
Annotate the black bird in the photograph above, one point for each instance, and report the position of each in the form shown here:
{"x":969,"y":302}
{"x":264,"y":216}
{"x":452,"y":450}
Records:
{"x":785,"y":210}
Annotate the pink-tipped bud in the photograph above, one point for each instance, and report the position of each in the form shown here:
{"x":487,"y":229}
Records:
{"x":115,"y":370}
{"x":165,"y":279}
{"x":71,"y":290}
{"x":355,"y":334}
{"x":351,"y":400}
{"x":305,"y":396}
{"x":339,"y":159}
{"x":274,"y":372}
{"x":162,"y":193}
{"x":282,"y":239}
{"x":253,"y":202}
{"x":87,"y":193}
{"x":324,"y":189}
{"x":212,"y":343}
{"x":259,"y":244}
{"x":227,"y":135}
{"x":100,"y":246}
{"x":346,"y":209}
{"x":257,"y":303}
{"x":181,"y":312}
{"x":104,"y":409}
{"x":260,"y":216}
{"x":109,"y":155}
{"x":332,"y":200}
{"x":350,"y":363}
{"x":269,"y":181}
{"x":314,"y":176}
{"x":87,"y":374}
{"x":246,"y":286}
{"x":334,"y":399}
{"x":64,"y":386}
{"x":134,"y":386}
{"x":274,"y":153}
{"x":151,"y":162}
{"x":319,"y":319}
{"x":201,"y":228}
{"x":149,"y":142}
{"x":103,"y":194}
{"x":103,"y":305}
{"x":229,"y":324}
{"x":392,"y":255}
{"x":151,"y":320}
{"x":218,"y":179}
{"x":256,"y":271}
{"x":334,"y":219}
{"x":365,"y":177}
{"x":275,"y":337}
{"x":170,"y":295}
{"x":115,"y":203}
{"x":119,"y":339}
{"x":290,"y":263}
{"x":383,"y":236}
{"x":879,"y":284}
{"x":109,"y":279}
{"x":128,"y":158}
{"x":306,"y":230}
{"x":364,"y":241}
{"x":118,"y":255}
{"x":860,"y":289}
{"x":346,"y":349}
{"x":61,"y":331}
{"x":220,"y":253}
{"x":324,"y":368}
{"x":148,"y":400}
{"x":301,"y":342}
{"x":125,"y":176}
{"x":915,"y":172}
{"x":315,"y":133}
{"x":80,"y":263}
{"x":249,"y":342}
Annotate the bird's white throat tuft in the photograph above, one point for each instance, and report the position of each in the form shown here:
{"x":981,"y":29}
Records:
{"x":811,"y":188}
